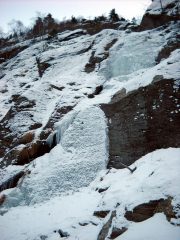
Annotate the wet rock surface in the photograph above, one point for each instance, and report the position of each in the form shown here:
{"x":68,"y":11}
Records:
{"x":142,"y":121}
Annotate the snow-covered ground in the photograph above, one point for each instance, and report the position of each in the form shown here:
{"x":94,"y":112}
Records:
{"x":155,"y":177}
{"x":148,"y":230}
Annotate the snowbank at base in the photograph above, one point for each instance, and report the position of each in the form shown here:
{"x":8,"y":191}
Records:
{"x":59,"y":213}
{"x":156,"y":177}
{"x":156,"y":228}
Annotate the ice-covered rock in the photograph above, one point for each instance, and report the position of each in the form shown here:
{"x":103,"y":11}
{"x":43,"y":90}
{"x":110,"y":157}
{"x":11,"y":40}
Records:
{"x":47,"y":98}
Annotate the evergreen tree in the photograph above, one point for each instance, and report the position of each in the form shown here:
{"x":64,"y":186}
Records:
{"x":38,"y":28}
{"x":74,"y":20}
{"x":113,"y":16}
{"x":16,"y":27}
{"x":100,"y":18}
{"x":48,"y":23}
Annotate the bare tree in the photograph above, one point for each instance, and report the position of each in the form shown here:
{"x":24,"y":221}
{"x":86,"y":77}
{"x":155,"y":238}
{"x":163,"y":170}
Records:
{"x":134,"y":20}
{"x":39,"y":25}
{"x":17,"y":28}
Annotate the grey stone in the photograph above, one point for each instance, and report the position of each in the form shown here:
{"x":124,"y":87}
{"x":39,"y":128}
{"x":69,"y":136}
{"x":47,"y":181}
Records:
{"x":142,"y":121}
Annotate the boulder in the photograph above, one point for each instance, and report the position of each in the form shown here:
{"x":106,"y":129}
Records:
{"x":144,"y":211}
{"x":101,"y":214}
{"x":97,"y":91}
{"x":116,"y":232}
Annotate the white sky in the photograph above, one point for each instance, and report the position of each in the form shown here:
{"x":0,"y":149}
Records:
{"x":25,"y":10}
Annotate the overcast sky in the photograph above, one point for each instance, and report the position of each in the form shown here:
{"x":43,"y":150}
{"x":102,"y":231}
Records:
{"x":25,"y":10}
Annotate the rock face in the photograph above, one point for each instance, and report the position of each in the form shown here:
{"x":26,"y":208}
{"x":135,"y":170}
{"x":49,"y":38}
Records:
{"x":159,"y":14}
{"x":22,"y":109}
{"x":96,"y":60}
{"x":142,"y":121}
{"x":10,"y":53}
{"x":53,"y":135}
{"x":17,"y":147}
{"x":153,"y":21}
{"x":25,"y":154}
{"x":168,"y":49}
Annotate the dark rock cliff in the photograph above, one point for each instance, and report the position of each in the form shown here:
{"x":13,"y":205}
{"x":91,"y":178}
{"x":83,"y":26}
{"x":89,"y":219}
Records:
{"x":151,"y":21}
{"x":142,"y":121}
{"x":154,"y":18}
